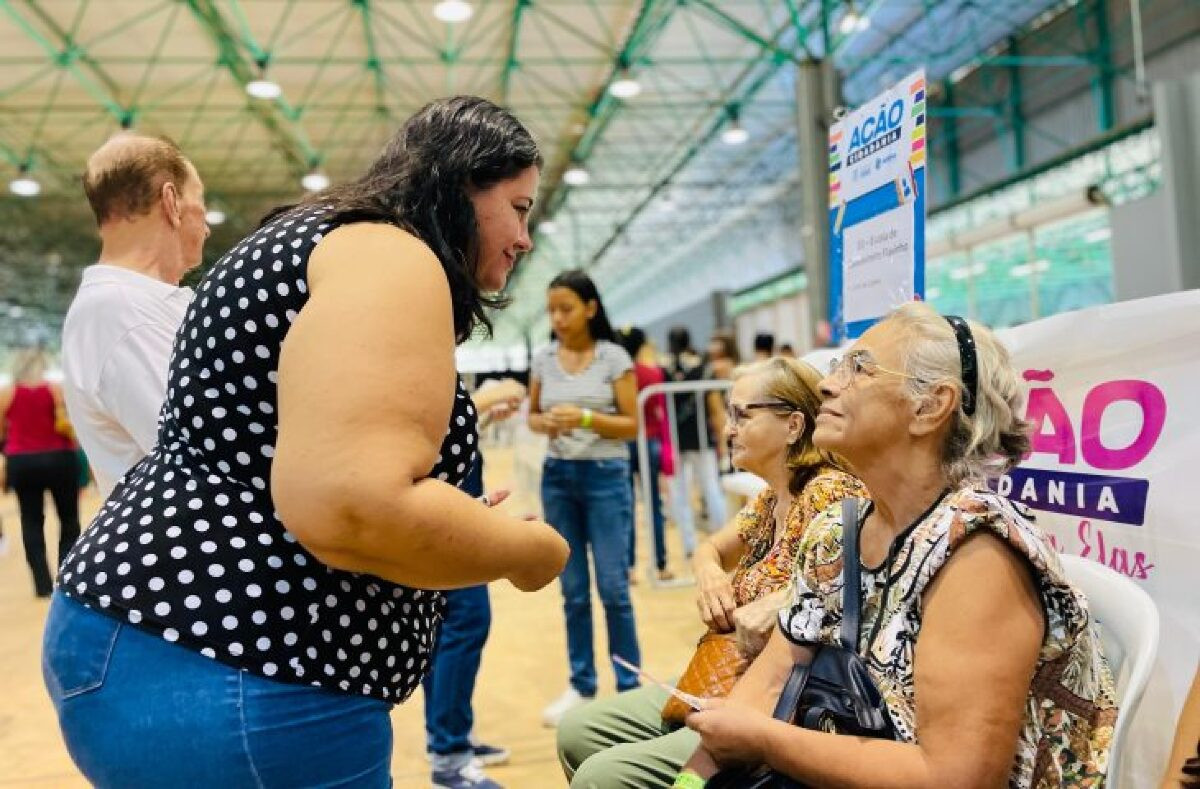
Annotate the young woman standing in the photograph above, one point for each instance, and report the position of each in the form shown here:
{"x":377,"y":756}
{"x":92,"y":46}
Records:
{"x":583,"y":395}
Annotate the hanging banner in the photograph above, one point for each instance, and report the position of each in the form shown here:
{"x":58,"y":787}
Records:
{"x":1112,"y":472}
{"x":877,"y":207}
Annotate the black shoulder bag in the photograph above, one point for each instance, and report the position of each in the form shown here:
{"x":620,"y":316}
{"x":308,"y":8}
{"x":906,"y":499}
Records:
{"x":834,"y":693}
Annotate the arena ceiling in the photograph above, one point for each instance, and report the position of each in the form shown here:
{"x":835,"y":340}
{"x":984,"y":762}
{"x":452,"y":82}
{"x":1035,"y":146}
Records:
{"x":670,"y":208}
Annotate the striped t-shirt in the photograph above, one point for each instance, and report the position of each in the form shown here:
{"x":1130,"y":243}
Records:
{"x":591,"y":388}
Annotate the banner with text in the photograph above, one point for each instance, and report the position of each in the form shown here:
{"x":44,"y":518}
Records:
{"x":1116,"y":447}
{"x":877,"y":207}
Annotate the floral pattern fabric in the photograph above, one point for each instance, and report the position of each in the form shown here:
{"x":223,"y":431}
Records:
{"x":1069,"y":715}
{"x":768,"y":563}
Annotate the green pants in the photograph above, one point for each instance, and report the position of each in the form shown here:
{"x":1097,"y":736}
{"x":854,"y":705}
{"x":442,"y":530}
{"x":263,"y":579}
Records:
{"x":620,"y":742}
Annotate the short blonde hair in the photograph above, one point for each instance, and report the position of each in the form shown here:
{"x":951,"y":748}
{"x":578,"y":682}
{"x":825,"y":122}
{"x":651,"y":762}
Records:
{"x":995,"y":437}
{"x":796,"y":383}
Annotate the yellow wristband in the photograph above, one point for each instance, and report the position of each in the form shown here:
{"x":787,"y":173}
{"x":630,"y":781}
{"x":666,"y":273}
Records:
{"x":688,"y":781}
{"x":585,"y":419}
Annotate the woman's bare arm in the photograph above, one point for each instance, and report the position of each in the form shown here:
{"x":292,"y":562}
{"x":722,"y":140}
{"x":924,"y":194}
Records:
{"x":366,"y":385}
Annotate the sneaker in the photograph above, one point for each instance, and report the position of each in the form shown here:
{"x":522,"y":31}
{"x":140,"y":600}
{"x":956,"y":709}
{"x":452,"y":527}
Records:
{"x":470,"y":776}
{"x":569,"y":700}
{"x":488,"y":755}
{"x":666,"y":575}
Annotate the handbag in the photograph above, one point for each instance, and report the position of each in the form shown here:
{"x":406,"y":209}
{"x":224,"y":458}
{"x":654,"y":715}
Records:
{"x":710,"y":674}
{"x":834,"y":692}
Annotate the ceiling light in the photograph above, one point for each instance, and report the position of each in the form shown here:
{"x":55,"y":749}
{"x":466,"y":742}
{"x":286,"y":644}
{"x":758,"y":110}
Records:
{"x":214,"y":217}
{"x":1098,"y":235}
{"x":1021,"y":270}
{"x":264,"y":89}
{"x":625,"y":86}
{"x":853,"y":22}
{"x":734,"y":133}
{"x":24,"y":186}
{"x":453,"y":11}
{"x":548,"y":227}
{"x":315,"y":181}
{"x":576,"y":175}
{"x":667,"y":203}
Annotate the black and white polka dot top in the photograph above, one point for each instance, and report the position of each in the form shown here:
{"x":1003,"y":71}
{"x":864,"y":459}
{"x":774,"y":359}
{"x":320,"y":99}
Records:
{"x":189,"y":545}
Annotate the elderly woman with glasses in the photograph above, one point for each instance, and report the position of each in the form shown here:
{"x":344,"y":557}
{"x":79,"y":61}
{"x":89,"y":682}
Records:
{"x":742,"y":572}
{"x":982,"y":650}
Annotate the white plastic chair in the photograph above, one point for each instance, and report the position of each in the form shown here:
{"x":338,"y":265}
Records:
{"x":1128,"y":622}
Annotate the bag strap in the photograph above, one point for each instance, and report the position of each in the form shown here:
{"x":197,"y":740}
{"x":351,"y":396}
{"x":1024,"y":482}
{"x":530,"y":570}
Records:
{"x":851,"y":570}
{"x":789,"y":699}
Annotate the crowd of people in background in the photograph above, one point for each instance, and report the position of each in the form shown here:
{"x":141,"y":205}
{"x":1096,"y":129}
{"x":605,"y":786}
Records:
{"x":304,"y":541}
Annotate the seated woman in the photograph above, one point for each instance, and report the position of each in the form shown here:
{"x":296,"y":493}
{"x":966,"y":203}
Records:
{"x":622,"y":741}
{"x":983,"y":651}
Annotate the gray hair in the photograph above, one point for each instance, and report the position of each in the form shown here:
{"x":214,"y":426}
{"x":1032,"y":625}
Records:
{"x":996,"y":437}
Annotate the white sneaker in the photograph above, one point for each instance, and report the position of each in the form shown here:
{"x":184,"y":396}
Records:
{"x":569,"y":700}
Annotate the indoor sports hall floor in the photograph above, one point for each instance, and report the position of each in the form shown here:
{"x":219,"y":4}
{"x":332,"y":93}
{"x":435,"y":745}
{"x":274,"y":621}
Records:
{"x":524,"y":667}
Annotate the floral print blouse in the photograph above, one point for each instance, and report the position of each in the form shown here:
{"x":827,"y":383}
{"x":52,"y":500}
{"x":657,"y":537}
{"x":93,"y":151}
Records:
{"x":1069,"y":715}
{"x":767,"y":565}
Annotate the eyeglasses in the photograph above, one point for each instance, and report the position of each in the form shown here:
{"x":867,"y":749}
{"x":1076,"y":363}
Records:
{"x":844,"y":369}
{"x":737,"y":414}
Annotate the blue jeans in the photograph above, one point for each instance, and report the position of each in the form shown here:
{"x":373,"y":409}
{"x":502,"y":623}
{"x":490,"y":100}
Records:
{"x":654,"y":449}
{"x":455,"y":662}
{"x":136,"y":711}
{"x":589,"y":503}
{"x":451,"y":678}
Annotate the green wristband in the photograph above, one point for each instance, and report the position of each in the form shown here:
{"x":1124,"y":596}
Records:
{"x":688,"y":781}
{"x":585,"y":419}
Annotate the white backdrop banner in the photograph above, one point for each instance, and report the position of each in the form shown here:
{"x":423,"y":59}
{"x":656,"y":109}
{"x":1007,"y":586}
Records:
{"x":1114,"y":475}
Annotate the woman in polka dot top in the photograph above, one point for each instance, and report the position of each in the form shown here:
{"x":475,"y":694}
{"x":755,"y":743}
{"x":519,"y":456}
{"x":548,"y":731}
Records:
{"x":256,"y":593}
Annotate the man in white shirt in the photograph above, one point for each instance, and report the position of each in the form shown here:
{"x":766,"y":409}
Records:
{"x":117,"y":338}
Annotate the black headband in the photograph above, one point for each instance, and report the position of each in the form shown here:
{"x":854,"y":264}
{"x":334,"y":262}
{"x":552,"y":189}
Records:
{"x":968,"y":360}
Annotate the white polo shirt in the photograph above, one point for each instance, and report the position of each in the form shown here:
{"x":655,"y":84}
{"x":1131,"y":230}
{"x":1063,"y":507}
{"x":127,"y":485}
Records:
{"x":117,"y":340}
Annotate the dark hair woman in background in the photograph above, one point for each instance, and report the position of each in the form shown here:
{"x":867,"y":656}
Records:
{"x":251,"y":600}
{"x":583,"y":395}
{"x":654,"y":422}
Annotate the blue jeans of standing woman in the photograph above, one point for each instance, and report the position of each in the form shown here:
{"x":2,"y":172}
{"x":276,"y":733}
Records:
{"x":589,"y":502}
{"x":136,"y":711}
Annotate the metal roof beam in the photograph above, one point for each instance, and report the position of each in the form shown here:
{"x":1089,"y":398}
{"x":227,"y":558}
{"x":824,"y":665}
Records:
{"x":511,"y":64}
{"x":651,"y":19}
{"x":289,"y":138}
{"x":734,"y":24}
{"x":68,"y":54}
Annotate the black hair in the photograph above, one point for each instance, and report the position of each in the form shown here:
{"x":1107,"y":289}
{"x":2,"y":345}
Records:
{"x":764,"y":342}
{"x":420,"y":182}
{"x":631,"y":339}
{"x":579,"y":282}
{"x":679,"y":340}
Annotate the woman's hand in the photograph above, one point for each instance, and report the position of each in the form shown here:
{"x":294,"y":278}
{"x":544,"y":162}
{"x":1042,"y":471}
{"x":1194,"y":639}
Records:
{"x":730,"y":733}
{"x":755,"y":621}
{"x":539,"y":572}
{"x":545,"y":560}
{"x":714,"y":597}
{"x":566,"y":417}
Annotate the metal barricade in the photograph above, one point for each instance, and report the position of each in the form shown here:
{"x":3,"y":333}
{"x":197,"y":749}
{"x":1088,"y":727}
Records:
{"x":699,"y":390}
